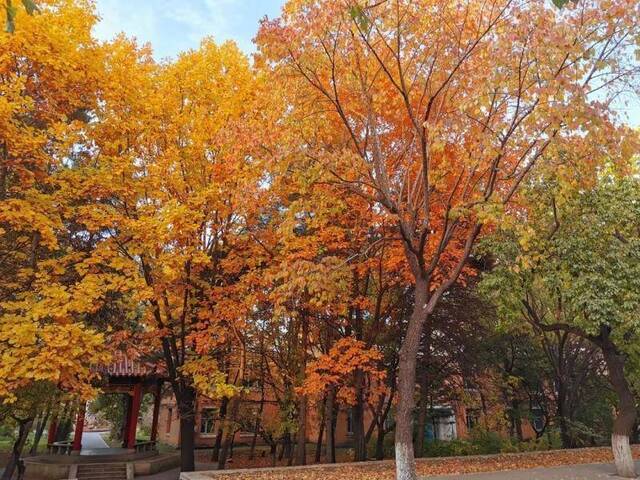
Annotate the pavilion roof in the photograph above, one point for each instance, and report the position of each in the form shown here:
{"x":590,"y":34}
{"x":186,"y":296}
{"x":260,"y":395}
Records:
{"x":124,"y":366}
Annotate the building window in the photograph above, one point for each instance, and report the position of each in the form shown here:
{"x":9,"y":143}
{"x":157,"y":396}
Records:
{"x":472,"y":418}
{"x":537,"y":419}
{"x":207,"y":420}
{"x":169,"y":418}
{"x":350,"y":421}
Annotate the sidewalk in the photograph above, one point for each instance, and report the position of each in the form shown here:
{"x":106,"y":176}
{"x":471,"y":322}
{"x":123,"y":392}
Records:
{"x":596,"y":471}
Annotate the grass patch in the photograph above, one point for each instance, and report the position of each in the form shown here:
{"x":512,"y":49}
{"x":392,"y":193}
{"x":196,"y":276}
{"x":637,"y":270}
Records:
{"x":6,"y":443}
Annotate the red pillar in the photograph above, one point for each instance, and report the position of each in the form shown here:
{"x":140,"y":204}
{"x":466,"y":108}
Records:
{"x":156,"y":412}
{"x":132,"y":423}
{"x":127,"y":415}
{"x":53,"y":429}
{"x":77,"y":436}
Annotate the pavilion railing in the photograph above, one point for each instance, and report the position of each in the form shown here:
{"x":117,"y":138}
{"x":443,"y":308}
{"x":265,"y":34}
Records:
{"x":60,"y":448}
{"x":145,"y":446}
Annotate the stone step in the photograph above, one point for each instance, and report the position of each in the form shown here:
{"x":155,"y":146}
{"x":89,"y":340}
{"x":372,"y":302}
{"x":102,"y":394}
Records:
{"x":103,"y":476}
{"x":102,"y":471}
{"x":90,"y":468}
{"x":106,"y":470}
{"x":107,"y":476}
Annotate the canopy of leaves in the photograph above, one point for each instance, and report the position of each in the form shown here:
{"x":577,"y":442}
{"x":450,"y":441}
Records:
{"x":572,"y":259}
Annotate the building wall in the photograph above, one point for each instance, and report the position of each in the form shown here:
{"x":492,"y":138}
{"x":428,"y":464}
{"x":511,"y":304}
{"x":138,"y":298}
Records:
{"x":169,"y":430}
{"x":169,"y":422}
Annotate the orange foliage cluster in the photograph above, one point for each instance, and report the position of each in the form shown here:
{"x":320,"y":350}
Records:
{"x":344,"y":358}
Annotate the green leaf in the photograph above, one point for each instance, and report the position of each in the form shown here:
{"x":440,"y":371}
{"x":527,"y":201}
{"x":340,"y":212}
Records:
{"x":30,"y":6}
{"x":10,"y":25}
{"x":561,"y":3}
{"x":359,"y":16}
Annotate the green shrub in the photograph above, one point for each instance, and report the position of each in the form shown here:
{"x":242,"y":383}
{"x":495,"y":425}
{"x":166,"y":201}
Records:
{"x":387,"y":446}
{"x":452,"y":448}
{"x":7,"y":430}
{"x":549,"y":441}
{"x":487,"y":442}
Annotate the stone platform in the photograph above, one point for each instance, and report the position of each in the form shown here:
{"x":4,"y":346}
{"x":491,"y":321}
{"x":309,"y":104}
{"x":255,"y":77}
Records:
{"x":58,"y":467}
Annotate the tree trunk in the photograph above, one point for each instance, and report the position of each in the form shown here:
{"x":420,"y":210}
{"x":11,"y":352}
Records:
{"x":252,"y":450}
{"x":216,"y":446}
{"x":422,"y":415}
{"x":285,"y":452}
{"x":318,"y":454}
{"x":256,"y":427}
{"x":380,"y":441}
{"x":565,"y":435}
{"x":330,"y":423}
{"x":39,"y":431}
{"x":289,"y":448}
{"x":64,"y":425}
{"x":228,"y":431}
{"x":626,"y":415}
{"x":272,"y":451}
{"x":360,"y":446}
{"x":186,"y":407}
{"x":282,"y":447}
{"x":301,"y":437}
{"x":24,"y":427}
{"x":405,"y":461}
{"x":563,"y":421}
{"x":517,"y":420}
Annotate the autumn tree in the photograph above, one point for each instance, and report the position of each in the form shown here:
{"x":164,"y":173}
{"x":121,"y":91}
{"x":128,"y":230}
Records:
{"x":163,"y":188}
{"x":437,"y":118}
{"x":307,"y":292}
{"x":560,"y":274}
{"x":49,"y":73}
{"x":309,"y":285}
{"x":340,"y":271}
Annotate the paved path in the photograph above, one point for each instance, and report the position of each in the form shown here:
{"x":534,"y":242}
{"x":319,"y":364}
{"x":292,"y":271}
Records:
{"x":598,"y":471}
{"x":93,"y":440}
{"x":94,"y":444}
{"x":173,"y":474}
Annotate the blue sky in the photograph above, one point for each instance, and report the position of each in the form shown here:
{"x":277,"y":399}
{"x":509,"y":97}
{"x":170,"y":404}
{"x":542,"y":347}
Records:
{"x":172,"y":26}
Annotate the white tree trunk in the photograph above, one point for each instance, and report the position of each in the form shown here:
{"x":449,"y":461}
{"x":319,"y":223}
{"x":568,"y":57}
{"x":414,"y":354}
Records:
{"x":405,"y":463}
{"x":622,"y":456}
